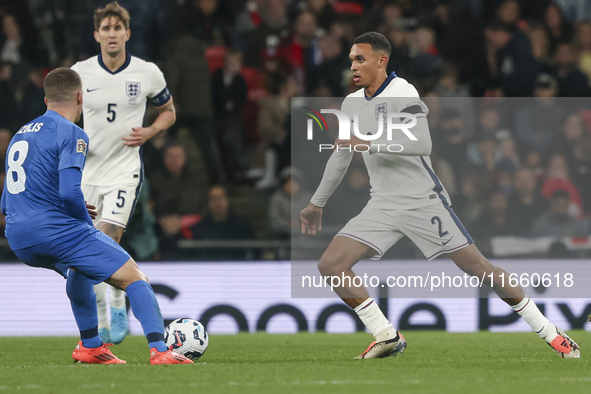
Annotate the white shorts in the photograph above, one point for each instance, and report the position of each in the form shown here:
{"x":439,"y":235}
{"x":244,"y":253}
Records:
{"x":114,"y":204}
{"x":434,"y":229}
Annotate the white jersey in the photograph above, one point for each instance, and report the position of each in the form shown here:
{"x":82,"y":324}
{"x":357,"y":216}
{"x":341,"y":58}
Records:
{"x":114,"y":102}
{"x":398,"y":180}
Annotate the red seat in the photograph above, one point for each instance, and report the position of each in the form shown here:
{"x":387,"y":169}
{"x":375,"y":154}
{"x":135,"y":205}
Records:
{"x":215,"y":57}
{"x":348,"y":7}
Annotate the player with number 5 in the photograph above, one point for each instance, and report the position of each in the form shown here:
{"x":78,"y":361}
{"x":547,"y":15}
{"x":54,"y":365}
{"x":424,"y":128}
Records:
{"x":116,"y":87}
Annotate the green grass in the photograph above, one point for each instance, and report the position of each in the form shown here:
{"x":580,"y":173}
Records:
{"x":435,"y":362}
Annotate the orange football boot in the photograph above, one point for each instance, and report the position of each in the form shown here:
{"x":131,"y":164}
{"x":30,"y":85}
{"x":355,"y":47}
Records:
{"x":565,"y":346}
{"x":167,"y":357}
{"x":95,"y":355}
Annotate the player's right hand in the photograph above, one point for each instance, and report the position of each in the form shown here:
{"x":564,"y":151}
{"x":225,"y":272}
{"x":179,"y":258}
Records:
{"x":91,"y":210}
{"x":311,"y":218}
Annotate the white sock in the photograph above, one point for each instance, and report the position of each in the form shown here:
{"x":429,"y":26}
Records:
{"x":538,"y":322}
{"x":117,"y":299}
{"x":373,"y":318}
{"x":101,"y":305}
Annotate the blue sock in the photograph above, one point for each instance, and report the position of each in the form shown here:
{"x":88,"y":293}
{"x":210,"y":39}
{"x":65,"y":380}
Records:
{"x":83,"y":302}
{"x":145,"y":308}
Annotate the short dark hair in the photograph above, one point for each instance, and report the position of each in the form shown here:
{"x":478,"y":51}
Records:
{"x":113,"y":9}
{"x":62,"y":85}
{"x":377,"y":41}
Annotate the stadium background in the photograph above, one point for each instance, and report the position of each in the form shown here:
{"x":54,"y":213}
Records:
{"x":232,"y":67}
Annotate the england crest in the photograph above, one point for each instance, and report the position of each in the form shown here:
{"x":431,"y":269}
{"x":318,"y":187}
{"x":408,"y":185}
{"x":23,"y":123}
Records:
{"x":132,"y":89}
{"x":381,"y":109}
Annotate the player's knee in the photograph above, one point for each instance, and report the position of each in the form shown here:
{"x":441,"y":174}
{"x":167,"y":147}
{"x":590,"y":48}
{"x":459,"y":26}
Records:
{"x":329,"y":265}
{"x":478,"y":267}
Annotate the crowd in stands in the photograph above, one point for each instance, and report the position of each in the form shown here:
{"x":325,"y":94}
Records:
{"x":223,"y":170}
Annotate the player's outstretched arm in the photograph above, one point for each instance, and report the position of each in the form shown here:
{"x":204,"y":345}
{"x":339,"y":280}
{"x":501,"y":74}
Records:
{"x":311,"y":218}
{"x":335,"y":170}
{"x":165,"y":119}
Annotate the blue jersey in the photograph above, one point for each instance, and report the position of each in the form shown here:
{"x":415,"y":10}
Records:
{"x":31,"y":200}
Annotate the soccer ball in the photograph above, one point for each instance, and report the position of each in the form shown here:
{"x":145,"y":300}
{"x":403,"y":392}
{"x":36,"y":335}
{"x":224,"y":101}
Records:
{"x":187,"y":337}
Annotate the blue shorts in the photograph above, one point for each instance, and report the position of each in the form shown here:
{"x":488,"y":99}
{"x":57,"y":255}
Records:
{"x":88,"y":251}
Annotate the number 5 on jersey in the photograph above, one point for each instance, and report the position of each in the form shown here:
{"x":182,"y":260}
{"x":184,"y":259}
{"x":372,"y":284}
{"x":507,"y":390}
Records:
{"x":111,"y":111}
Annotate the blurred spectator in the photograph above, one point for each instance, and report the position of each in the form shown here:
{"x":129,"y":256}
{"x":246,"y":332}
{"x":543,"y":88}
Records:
{"x":536,"y":124}
{"x":533,"y":162}
{"x":220,"y":224}
{"x":486,"y":155}
{"x":323,"y":12}
{"x":581,"y":169}
{"x":287,"y":202}
{"x":189,"y":82}
{"x":302,"y":51}
{"x":510,"y":159}
{"x":469,"y":203}
{"x":399,"y":61}
{"x":572,"y":82}
{"x":451,"y":138}
{"x":571,"y":131}
{"x":7,"y":100}
{"x":455,"y":95}
{"x":229,"y":96}
{"x":20,"y":50}
{"x":558,"y":222}
{"x":557,"y":178}
{"x":584,"y":46}
{"x":526,"y":203}
{"x":510,"y":12}
{"x":169,"y":234}
{"x":267,"y":35}
{"x":153,"y":154}
{"x":512,"y":65}
{"x":32,"y":104}
{"x":559,"y":29}
{"x":540,"y":45}
{"x":273,"y":130}
{"x":150,"y":27}
{"x":496,"y":220}
{"x":202,"y":19}
{"x":425,"y":62}
{"x":333,"y":71}
{"x":178,"y":189}
{"x":247,"y":20}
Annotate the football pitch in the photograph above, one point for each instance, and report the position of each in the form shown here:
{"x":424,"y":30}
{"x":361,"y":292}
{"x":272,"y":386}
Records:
{"x":435,"y":362}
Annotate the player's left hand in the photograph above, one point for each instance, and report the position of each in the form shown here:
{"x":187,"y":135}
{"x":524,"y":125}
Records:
{"x":139,"y":136}
{"x":353,"y":141}
{"x":91,"y":210}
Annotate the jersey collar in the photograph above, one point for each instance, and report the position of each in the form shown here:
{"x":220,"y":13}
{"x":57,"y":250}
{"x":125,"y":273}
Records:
{"x":382,"y":86}
{"x":123,"y":67}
